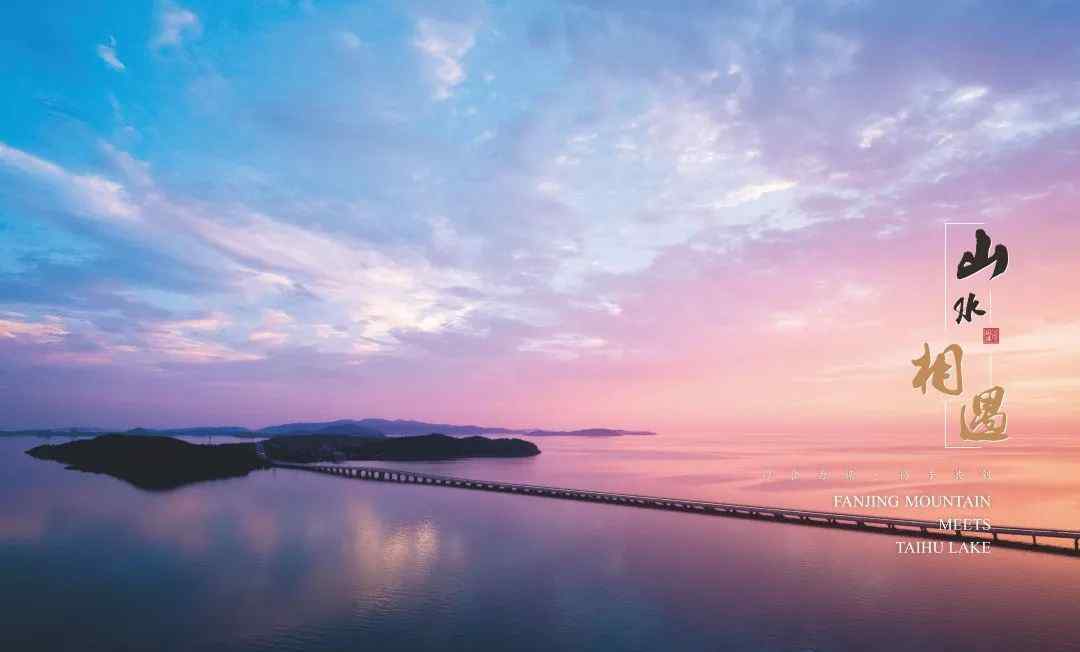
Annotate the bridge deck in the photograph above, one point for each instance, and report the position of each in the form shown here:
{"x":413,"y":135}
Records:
{"x":862,"y":522}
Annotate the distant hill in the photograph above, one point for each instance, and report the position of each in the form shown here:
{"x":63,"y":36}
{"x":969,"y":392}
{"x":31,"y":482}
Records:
{"x":350,"y":429}
{"x":53,"y":432}
{"x":361,"y":428}
{"x":405,"y":427}
{"x":208,"y":431}
{"x":373,"y":428}
{"x":588,"y":432}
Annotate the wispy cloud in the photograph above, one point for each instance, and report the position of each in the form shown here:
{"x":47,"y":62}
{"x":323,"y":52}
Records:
{"x":445,"y":45}
{"x":348,"y":40}
{"x":318,"y":198}
{"x":378,"y":295}
{"x":175,"y":23}
{"x":968,"y":94}
{"x":193,"y":341}
{"x":50,"y":329}
{"x":88,"y":194}
{"x":753,"y":192}
{"x":107,"y":52}
{"x":566,"y":346}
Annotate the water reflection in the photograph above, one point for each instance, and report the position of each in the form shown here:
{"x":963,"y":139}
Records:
{"x":291,"y":560}
{"x":1033,"y":482}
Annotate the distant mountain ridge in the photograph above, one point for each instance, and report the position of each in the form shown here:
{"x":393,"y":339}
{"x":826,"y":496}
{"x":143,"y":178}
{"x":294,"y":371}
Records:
{"x":369,"y":427}
{"x":340,"y":427}
{"x":588,"y":432}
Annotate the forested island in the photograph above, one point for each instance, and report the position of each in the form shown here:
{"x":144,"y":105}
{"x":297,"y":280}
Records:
{"x":155,"y":462}
{"x":433,"y":447}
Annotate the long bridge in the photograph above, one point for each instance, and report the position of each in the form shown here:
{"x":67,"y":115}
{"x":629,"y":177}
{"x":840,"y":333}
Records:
{"x":1018,"y":536}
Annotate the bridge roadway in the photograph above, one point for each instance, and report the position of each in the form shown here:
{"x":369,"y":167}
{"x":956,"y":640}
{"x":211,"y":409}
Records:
{"x":860,"y":522}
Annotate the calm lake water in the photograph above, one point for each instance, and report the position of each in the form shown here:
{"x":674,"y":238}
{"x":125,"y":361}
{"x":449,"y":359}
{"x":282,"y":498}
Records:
{"x":288,"y":560}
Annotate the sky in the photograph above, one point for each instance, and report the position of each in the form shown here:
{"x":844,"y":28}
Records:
{"x":680,"y":216}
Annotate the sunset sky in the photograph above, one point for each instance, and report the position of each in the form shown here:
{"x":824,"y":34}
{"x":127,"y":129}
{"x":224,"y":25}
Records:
{"x":677,"y":216}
